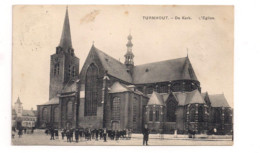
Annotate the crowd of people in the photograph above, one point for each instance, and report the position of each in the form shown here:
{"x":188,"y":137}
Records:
{"x":80,"y":134}
{"x":22,"y":130}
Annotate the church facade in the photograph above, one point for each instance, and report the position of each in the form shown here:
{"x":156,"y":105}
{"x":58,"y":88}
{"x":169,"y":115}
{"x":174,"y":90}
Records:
{"x":106,"y":93}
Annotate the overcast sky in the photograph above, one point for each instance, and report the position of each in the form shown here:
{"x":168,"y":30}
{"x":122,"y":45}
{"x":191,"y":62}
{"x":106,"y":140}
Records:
{"x":37,"y":31}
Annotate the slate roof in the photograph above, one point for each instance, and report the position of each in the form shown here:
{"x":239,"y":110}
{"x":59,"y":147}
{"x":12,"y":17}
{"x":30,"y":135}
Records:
{"x":218,"y":100}
{"x":113,"y":66}
{"x":70,"y":87}
{"x":169,"y":70}
{"x":18,"y":101}
{"x":65,"y":41}
{"x":193,"y":97}
{"x":155,"y":99}
{"x":54,"y":100}
{"x":28,"y":113}
{"x":117,"y":88}
{"x":162,"y":71}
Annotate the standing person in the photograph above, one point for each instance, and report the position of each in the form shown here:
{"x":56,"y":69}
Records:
{"x":105,"y":135}
{"x":56,"y":131}
{"x":146,"y":135}
{"x":52,"y":134}
{"x":62,"y":133}
{"x":24,"y":130}
{"x":20,"y":132}
{"x":71,"y":134}
{"x":13,"y":132}
{"x":97,"y":132}
{"x":77,"y":135}
{"x":68,"y":135}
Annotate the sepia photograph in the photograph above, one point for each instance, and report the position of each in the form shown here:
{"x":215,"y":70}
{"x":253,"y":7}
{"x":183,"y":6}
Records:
{"x":122,"y":75}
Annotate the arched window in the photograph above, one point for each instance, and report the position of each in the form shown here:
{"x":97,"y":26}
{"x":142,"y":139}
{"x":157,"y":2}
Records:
{"x":69,"y":110}
{"x":201,"y":113}
{"x":157,"y":115}
{"x":44,"y":113}
{"x":192,"y":114}
{"x":73,"y":71}
{"x":116,"y":109}
{"x":56,"y":114}
{"x":151,"y":115}
{"x":91,"y":90}
{"x":227,"y":116}
{"x":171,"y":107}
{"x":217,"y":116}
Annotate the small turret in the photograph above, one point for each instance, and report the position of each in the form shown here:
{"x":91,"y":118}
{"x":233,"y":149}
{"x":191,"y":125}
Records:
{"x":129,"y":56}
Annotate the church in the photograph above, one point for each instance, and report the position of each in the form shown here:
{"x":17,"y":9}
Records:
{"x":106,"y":93}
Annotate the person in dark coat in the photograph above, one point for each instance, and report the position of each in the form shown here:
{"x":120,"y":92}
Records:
{"x":97,"y":132}
{"x":68,"y":136}
{"x":52,"y":134}
{"x":62,"y":134}
{"x":20,"y":132}
{"x":105,"y":135}
{"x":71,"y":134}
{"x":77,"y":135}
{"x":146,"y":135}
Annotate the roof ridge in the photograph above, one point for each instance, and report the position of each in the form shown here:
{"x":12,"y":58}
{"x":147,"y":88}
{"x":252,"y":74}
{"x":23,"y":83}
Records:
{"x":160,"y":61}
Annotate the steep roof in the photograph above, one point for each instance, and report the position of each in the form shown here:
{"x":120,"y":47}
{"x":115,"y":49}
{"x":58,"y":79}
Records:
{"x":114,"y":67}
{"x":156,"y":99}
{"x":65,"y":41}
{"x":54,"y":100}
{"x":193,"y":97}
{"x":117,"y":88}
{"x":28,"y":113}
{"x":175,"y":69}
{"x":18,"y":101}
{"x":218,"y":100}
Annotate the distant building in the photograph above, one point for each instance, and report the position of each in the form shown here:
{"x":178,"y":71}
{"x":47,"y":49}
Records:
{"x":23,"y":118}
{"x":165,"y":95}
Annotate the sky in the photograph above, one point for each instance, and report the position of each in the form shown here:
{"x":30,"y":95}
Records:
{"x":37,"y":31}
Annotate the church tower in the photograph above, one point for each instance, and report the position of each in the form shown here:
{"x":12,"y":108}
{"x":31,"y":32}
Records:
{"x":129,"y":56}
{"x":64,"y":65}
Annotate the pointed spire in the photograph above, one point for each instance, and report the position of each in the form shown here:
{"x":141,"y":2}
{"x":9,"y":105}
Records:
{"x":65,"y":41}
{"x":18,"y":100}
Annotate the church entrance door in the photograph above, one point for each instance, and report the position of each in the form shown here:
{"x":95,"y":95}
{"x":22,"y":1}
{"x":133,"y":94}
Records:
{"x":115,"y":125}
{"x":68,"y":125}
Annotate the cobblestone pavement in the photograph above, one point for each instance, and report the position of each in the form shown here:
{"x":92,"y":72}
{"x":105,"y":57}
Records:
{"x":39,"y":138}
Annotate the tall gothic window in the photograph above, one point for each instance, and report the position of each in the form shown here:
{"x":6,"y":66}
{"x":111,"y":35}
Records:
{"x":116,"y":109}
{"x":69,"y":110}
{"x":44,"y":113}
{"x":91,"y":90}
{"x":171,"y":107}
{"x":157,"y":115}
{"x":227,"y":116}
{"x":200,"y":113}
{"x":56,"y":114}
{"x":217,"y":116}
{"x":151,"y":115}
{"x":192,"y":114}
